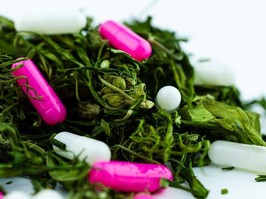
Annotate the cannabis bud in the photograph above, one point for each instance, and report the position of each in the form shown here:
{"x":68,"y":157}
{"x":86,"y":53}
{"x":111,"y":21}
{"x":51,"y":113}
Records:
{"x":88,"y":110}
{"x":114,"y":99}
{"x":116,"y":81}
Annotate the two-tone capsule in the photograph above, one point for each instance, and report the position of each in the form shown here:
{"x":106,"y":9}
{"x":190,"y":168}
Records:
{"x":129,"y":176}
{"x":243,"y":156}
{"x":123,"y":38}
{"x":84,"y":148}
{"x":39,"y":92}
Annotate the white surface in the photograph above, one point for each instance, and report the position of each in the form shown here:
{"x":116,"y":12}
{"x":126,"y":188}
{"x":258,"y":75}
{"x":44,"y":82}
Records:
{"x":170,"y":193}
{"x":239,"y":183}
{"x":232,"y":31}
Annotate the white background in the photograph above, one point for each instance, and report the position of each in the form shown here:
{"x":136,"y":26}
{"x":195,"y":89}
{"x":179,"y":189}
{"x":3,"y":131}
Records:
{"x":232,"y":31}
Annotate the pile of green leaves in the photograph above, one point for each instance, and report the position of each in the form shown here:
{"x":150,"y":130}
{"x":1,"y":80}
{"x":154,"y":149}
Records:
{"x":111,"y":97}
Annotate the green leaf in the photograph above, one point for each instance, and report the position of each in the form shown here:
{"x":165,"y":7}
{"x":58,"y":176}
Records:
{"x":65,"y":172}
{"x":229,"y":121}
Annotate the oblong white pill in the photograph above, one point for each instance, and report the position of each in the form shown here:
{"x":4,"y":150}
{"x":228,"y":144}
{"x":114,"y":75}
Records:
{"x":17,"y":195}
{"x":213,"y":73}
{"x":48,"y":194}
{"x":51,"y":21}
{"x":85,"y":148}
{"x":243,"y":156}
{"x":168,"y":98}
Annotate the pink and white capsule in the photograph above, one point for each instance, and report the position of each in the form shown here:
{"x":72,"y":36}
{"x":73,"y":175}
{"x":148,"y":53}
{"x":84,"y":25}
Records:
{"x":123,"y":38}
{"x":39,"y":92}
{"x":129,"y":176}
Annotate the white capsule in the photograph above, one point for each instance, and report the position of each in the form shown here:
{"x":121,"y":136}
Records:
{"x":48,"y":194}
{"x":85,"y":148}
{"x":243,"y":156}
{"x":168,"y":98}
{"x":17,"y":195}
{"x":213,"y":73}
{"x":50,"y":21}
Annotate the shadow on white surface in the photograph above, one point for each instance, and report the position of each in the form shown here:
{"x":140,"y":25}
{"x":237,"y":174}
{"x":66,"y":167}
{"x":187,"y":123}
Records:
{"x":239,"y":183}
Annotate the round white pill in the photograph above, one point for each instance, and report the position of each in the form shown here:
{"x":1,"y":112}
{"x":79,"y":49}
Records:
{"x":168,"y":98}
{"x":84,"y":148}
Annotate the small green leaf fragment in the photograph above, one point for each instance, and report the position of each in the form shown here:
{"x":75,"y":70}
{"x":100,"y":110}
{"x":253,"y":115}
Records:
{"x":227,"y":168}
{"x":224,"y":191}
{"x":261,"y":178}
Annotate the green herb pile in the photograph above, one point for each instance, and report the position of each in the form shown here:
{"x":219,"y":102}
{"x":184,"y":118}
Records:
{"x":111,"y":97}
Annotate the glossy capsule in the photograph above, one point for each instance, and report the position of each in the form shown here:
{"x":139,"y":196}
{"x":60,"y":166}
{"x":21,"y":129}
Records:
{"x":39,"y":92}
{"x":243,"y":156}
{"x":84,"y":148}
{"x":123,"y":38}
{"x":129,"y":176}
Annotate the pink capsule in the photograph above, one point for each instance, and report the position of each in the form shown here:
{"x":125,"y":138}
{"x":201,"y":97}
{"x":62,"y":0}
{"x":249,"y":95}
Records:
{"x":129,"y":176}
{"x":1,"y":195}
{"x":123,"y":38}
{"x":39,"y":92}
